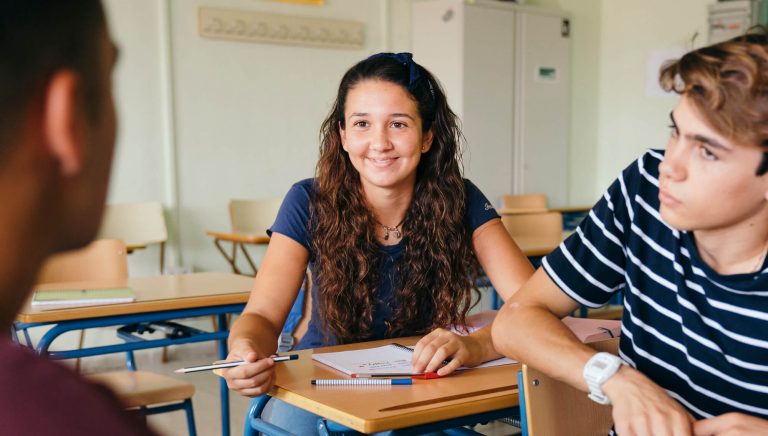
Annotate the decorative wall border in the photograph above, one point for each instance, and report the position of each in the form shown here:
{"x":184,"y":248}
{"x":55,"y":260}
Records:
{"x":253,"y":26}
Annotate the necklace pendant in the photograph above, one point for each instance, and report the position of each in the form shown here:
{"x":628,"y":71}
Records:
{"x":398,"y":235}
{"x":386,"y":235}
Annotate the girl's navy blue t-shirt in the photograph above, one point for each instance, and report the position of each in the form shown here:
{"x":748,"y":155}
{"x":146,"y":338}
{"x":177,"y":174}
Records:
{"x":293,"y":221}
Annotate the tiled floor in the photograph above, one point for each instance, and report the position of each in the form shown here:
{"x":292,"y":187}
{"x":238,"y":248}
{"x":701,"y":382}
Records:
{"x":206,"y":398}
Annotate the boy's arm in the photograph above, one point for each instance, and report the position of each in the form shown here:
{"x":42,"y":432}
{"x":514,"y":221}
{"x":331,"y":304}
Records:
{"x":528,"y":328}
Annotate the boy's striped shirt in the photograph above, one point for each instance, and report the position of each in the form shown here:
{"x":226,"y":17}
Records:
{"x":701,"y":336}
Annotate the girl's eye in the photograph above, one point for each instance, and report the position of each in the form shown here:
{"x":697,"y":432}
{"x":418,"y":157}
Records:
{"x":673,"y":133}
{"x":360,"y":123}
{"x":398,"y":124}
{"x":706,"y":153}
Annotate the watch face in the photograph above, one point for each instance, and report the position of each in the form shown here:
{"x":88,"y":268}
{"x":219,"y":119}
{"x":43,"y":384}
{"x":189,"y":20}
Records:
{"x":600,"y":365}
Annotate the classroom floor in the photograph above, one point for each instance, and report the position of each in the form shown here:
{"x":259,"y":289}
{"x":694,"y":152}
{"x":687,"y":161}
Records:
{"x":206,"y":398}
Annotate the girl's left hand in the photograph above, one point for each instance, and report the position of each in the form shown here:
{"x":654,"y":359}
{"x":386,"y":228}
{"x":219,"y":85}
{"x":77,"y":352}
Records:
{"x":443,"y":345}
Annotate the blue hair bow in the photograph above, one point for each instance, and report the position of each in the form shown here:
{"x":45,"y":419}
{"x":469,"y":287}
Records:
{"x":407,"y":60}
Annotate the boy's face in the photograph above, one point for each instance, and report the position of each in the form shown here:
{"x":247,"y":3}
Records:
{"x":706,"y":181}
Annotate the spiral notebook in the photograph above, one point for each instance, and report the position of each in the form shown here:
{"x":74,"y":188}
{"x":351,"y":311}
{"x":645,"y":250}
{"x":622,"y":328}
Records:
{"x":82,"y":297}
{"x":391,"y":359}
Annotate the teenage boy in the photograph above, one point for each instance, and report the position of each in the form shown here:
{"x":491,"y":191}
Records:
{"x":57,"y":134}
{"x":683,"y":233}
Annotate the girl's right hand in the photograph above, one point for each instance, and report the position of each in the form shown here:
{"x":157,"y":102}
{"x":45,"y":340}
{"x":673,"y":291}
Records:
{"x":252,"y":379}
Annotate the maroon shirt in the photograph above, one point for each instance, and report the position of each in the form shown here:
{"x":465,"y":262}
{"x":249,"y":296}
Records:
{"x":41,"y":397}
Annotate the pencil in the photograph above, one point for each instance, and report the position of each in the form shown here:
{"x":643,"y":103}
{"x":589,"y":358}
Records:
{"x":231,"y":364}
{"x":363,"y":382}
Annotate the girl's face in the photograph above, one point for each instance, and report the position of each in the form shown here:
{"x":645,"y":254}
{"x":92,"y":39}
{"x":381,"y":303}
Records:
{"x":706,"y":181}
{"x":383,"y":135}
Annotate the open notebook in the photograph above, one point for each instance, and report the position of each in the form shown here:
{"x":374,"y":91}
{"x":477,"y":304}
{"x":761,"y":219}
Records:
{"x":392,"y":359}
{"x":395,"y":359}
{"x":82,"y":297}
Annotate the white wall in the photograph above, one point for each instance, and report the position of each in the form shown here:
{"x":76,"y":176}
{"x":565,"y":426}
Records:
{"x":631,"y":121}
{"x":235,"y":120}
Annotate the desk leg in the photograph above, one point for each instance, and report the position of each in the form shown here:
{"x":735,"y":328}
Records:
{"x":224,"y":391}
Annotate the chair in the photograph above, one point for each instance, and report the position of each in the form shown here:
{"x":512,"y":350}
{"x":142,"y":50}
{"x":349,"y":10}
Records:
{"x":249,"y":220}
{"x":104,"y":261}
{"x":524,"y":201}
{"x":140,"y":389}
{"x":137,"y":224}
{"x":551,"y":407}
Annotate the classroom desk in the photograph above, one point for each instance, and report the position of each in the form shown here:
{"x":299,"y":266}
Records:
{"x":158,"y":299}
{"x":480,"y":392}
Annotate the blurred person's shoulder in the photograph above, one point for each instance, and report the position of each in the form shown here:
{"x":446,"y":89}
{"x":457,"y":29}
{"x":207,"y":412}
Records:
{"x":41,"y":396}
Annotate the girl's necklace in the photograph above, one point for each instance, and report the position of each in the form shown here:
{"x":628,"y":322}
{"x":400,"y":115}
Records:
{"x":395,"y":230}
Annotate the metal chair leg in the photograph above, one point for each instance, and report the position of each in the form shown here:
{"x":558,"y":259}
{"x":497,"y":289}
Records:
{"x":230,"y":259}
{"x":190,"y":417}
{"x":80,"y":343}
{"x":248,"y":258}
{"x":255,"y":425}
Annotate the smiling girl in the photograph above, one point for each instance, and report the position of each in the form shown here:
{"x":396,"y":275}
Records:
{"x":394,"y":237}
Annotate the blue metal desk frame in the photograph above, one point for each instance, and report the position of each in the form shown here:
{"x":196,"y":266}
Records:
{"x":135,"y":342}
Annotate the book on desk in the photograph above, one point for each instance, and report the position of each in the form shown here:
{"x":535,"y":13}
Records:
{"x":81,"y":297}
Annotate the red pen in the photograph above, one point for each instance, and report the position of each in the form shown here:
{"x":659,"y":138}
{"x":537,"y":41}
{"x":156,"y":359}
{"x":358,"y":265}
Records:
{"x":426,"y":376}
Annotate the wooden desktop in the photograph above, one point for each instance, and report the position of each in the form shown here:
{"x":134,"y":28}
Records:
{"x":379,"y":408}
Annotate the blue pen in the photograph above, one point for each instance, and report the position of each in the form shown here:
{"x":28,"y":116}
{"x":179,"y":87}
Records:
{"x":363,"y":382}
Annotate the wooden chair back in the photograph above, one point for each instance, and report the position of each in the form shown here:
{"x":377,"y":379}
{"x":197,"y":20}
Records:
{"x":104,"y":260}
{"x":253,"y":217}
{"x":556,"y":408}
{"x":524,"y":201}
{"x":137,"y":224}
{"x":540,"y":225}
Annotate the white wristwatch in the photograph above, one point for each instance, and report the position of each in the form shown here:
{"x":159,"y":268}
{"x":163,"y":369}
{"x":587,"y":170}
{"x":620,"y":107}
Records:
{"x":597,"y":371}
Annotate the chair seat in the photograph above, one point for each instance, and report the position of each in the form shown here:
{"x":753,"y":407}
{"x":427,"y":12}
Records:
{"x":143,"y":388}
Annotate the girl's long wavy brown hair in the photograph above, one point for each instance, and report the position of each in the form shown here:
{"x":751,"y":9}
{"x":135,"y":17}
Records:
{"x":434,"y":280}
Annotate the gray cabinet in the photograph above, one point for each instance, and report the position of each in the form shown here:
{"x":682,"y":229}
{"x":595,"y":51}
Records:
{"x":506,"y":70}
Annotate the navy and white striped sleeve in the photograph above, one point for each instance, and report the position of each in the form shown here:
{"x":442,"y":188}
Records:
{"x":589,"y":265}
